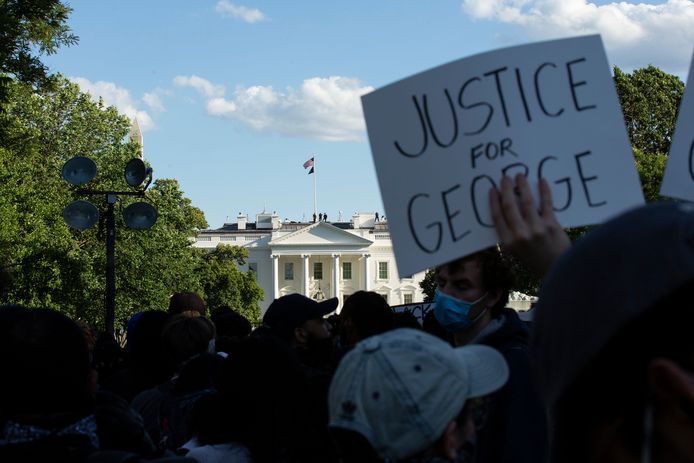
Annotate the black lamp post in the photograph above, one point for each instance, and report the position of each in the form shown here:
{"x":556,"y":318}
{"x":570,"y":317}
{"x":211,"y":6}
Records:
{"x":83,"y":214}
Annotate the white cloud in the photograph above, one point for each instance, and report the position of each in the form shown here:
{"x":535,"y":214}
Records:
{"x":203,"y":86}
{"x":229,"y":9}
{"x":634,"y":34}
{"x":114,"y":95}
{"x":153,"y":101}
{"x":322,"y":108}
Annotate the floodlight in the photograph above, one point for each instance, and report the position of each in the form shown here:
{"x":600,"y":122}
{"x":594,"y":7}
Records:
{"x":140,"y":216}
{"x":80,"y":214}
{"x":135,"y":172}
{"x":79,"y":170}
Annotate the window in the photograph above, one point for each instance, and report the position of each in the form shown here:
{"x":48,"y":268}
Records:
{"x":346,"y":270}
{"x":289,"y":271}
{"x":383,"y":270}
{"x":227,"y":238}
{"x":318,"y":270}
{"x":253,"y":267}
{"x":407,"y":298}
{"x":204,"y":238}
{"x":384,"y":296}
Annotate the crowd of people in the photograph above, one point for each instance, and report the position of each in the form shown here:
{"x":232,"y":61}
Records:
{"x":605,"y":373}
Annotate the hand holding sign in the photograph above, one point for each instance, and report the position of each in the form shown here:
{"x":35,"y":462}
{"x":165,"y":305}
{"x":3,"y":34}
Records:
{"x":443,"y":138}
{"x":533,"y":235}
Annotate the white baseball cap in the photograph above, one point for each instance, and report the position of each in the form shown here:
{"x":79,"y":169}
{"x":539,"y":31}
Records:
{"x":400,"y":389}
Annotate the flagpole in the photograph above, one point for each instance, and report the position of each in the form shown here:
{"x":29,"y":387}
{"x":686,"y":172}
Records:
{"x":315,"y":202}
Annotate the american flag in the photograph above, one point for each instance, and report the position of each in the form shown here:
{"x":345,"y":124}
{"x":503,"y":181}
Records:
{"x":308,"y":163}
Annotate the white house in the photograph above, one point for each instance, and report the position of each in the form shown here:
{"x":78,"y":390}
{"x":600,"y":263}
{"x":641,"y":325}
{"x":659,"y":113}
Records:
{"x":321,"y":259}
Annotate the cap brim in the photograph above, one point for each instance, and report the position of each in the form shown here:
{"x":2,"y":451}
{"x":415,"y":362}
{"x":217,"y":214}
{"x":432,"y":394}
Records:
{"x":327,"y":306}
{"x":487,"y":368}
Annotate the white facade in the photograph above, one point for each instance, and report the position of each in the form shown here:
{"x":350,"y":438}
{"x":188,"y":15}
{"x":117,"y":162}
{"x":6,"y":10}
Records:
{"x":320,"y":260}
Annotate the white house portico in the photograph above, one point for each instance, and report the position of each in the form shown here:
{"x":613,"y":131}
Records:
{"x":323,"y":250}
{"x":320,"y":260}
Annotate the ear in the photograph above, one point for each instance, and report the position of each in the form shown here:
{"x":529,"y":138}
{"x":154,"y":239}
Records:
{"x":455,"y":436}
{"x":92,"y":382}
{"x":492,"y":298}
{"x":670,"y":382}
{"x":451,"y":441}
{"x":300,"y":335}
{"x":673,"y":398}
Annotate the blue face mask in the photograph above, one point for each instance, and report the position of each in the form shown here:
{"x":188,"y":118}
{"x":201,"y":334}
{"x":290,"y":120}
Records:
{"x":454,"y":314}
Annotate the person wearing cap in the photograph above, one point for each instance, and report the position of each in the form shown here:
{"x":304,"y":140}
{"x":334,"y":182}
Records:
{"x":300,"y":322}
{"x":406,"y":395}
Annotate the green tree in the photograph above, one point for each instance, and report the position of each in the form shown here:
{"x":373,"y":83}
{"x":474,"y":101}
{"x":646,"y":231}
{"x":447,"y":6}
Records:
{"x":428,"y":285}
{"x":224,"y":284}
{"x":51,"y":265}
{"x":649,"y":98}
{"x":651,"y":168}
{"x":28,"y":30}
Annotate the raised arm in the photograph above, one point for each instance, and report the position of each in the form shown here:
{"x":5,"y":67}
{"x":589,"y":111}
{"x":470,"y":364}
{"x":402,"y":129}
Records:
{"x":531,"y":234}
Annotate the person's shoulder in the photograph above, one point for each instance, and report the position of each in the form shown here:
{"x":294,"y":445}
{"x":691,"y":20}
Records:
{"x":512,"y":337}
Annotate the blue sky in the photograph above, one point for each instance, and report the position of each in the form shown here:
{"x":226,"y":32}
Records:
{"x":234,"y":96}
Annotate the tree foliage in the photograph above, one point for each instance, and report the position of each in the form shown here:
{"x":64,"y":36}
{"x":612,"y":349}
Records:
{"x":29,"y":29}
{"x":224,"y":284}
{"x":428,"y":285}
{"x":51,"y":265}
{"x":651,"y":168}
{"x":649,"y":98}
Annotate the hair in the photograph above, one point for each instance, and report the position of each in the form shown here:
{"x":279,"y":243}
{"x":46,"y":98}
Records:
{"x":209,"y":423}
{"x":184,"y":337}
{"x":199,"y":373}
{"x":406,"y":320}
{"x":230,"y":323}
{"x":368,"y":313}
{"x":46,"y":363}
{"x":262,"y":387}
{"x":606,"y":402}
{"x":145,"y":352}
{"x":353,"y":447}
{"x":496,"y":274}
{"x":186,"y":301}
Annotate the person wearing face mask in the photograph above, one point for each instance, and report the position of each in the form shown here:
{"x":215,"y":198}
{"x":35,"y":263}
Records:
{"x":470,"y":303}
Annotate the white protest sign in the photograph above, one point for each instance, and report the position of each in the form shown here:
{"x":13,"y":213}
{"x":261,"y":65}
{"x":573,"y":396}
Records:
{"x":419,"y":310}
{"x":441,"y":139}
{"x":678,"y":181}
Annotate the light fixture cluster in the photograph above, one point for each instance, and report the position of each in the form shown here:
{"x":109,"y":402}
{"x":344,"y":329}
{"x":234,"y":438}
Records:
{"x":82,"y":215}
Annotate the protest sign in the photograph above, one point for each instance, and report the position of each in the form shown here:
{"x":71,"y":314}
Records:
{"x":419,"y":310}
{"x":441,"y":139}
{"x":678,"y":181}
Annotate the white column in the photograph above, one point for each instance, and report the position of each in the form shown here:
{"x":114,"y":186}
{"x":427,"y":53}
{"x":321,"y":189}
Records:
{"x":367,"y":275}
{"x":275,"y":276}
{"x":305,"y":257}
{"x":336,"y":275}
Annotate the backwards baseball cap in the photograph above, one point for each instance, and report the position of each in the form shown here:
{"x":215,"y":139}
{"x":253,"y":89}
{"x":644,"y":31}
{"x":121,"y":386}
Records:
{"x":400,"y":389}
{"x":292,"y":310}
{"x":607,"y":279}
